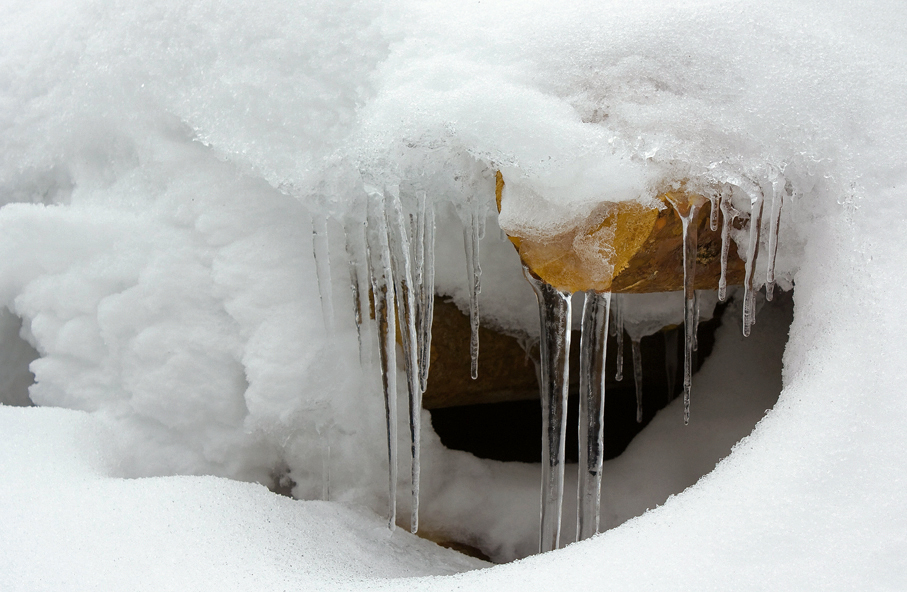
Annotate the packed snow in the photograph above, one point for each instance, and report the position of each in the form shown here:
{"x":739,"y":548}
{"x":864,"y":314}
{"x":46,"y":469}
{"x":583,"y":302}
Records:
{"x":178,"y":183}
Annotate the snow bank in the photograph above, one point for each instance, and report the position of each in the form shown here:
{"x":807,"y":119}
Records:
{"x":69,"y":525}
{"x":165,"y":160}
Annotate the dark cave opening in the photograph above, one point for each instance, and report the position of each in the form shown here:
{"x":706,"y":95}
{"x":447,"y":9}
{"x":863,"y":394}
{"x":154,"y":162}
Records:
{"x":510,"y":431}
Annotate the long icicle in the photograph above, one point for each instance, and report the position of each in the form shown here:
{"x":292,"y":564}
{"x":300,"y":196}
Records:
{"x":688,"y":210}
{"x":402,"y":266}
{"x":322,"y":255}
{"x":779,"y":189}
{"x":728,"y":213}
{"x":471,"y":236}
{"x":428,"y":290}
{"x":757,"y":200}
{"x":385,"y":317}
{"x":554,"y":320}
{"x":637,"y":377}
{"x":593,"y":352}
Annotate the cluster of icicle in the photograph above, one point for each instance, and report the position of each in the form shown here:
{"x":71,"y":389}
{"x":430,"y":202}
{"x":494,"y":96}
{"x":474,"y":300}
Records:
{"x":555,"y":321}
{"x":390,"y":245}
{"x":390,"y":242}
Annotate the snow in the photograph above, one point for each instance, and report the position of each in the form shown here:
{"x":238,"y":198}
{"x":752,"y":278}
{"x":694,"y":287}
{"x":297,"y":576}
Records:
{"x":161,"y":166}
{"x":70,"y":524}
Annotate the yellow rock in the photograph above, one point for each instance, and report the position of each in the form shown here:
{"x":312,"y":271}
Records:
{"x":627,"y":247}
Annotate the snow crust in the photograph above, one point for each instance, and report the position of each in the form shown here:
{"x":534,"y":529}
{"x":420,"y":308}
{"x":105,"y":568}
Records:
{"x":161,"y":162}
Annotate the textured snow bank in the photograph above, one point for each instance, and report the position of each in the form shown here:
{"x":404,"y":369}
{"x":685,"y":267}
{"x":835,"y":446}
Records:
{"x":69,"y":525}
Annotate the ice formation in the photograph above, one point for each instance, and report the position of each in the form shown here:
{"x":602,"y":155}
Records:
{"x":175,"y":174}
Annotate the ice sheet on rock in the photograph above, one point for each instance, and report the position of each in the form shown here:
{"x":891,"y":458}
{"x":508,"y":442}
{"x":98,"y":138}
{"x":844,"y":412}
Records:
{"x":555,"y":327}
{"x":382,"y":283}
{"x":593,"y":354}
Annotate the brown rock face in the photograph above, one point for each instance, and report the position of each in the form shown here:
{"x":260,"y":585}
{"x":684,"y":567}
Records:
{"x":506,"y":373}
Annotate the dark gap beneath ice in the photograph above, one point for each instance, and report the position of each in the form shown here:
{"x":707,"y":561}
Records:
{"x":510,"y":431}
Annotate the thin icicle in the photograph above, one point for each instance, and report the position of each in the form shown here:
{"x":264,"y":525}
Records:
{"x":593,"y":352}
{"x":757,"y":201}
{"x":688,"y":211}
{"x":428,"y":290}
{"x":355,"y":236}
{"x":322,"y":255}
{"x":670,"y":338}
{"x":554,"y":320}
{"x":618,"y":332}
{"x":385,"y":317}
{"x":406,"y":298}
{"x":637,"y":377}
{"x":471,"y":237}
{"x":779,"y":187}
{"x":728,"y":214}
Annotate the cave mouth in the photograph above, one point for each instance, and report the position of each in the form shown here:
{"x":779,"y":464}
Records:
{"x":737,"y":381}
{"x":510,"y":431}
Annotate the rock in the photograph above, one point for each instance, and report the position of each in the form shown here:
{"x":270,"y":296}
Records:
{"x":628,"y":247}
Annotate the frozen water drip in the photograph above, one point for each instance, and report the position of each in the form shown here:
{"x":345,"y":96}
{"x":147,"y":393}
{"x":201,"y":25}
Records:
{"x":555,"y":324}
{"x":385,"y":317}
{"x":687,"y":209}
{"x":593,"y":352}
{"x":471,"y":238}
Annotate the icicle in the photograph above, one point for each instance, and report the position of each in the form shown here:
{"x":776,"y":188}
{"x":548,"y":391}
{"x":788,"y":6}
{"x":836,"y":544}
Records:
{"x":688,"y":211}
{"x":593,"y":352}
{"x":471,"y":236}
{"x":385,"y":317}
{"x":323,"y":268}
{"x":554,"y":319}
{"x":619,"y":334}
{"x":354,"y":232}
{"x":637,"y":377}
{"x":428,"y":289}
{"x":779,"y":187}
{"x":757,"y":201}
{"x":728,"y":213}
{"x":671,"y":361}
{"x":406,"y":298}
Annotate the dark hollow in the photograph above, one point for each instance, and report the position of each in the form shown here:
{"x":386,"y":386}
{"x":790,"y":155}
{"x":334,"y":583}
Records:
{"x":511,"y":431}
